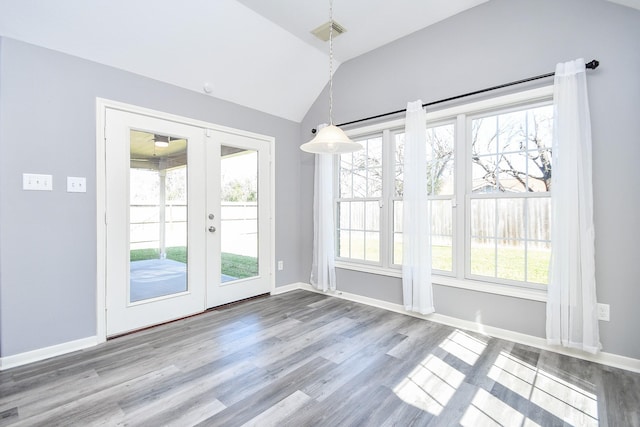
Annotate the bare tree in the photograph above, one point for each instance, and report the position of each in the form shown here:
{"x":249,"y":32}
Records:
{"x":515,"y":154}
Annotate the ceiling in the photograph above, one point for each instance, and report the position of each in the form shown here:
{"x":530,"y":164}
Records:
{"x":256,"y":53}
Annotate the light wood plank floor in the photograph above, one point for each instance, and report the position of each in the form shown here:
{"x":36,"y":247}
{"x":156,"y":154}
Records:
{"x":305,"y":359}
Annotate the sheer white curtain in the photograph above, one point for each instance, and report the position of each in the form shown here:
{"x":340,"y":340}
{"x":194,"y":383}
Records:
{"x":571,"y":304}
{"x":323,"y":270}
{"x":416,"y":216}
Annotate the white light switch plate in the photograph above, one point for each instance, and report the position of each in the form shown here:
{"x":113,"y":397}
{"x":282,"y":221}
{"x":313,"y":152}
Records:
{"x":76,"y":184}
{"x":37,"y":182}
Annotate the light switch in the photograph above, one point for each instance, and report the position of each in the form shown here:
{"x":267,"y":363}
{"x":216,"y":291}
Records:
{"x":76,"y":184}
{"x":37,"y":182}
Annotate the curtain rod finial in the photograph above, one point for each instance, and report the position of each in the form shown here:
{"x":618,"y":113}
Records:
{"x":593,"y":64}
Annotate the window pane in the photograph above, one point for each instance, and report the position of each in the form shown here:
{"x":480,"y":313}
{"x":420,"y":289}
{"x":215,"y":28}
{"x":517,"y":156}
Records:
{"x":539,"y":219}
{"x":344,"y":239}
{"x":538,"y":256}
{"x":511,"y":260}
{"x":511,"y":131}
{"x":359,"y":183}
{"x":346,"y":183}
{"x":344,"y":215}
{"x":374,"y":152}
{"x":512,"y":172}
{"x":372,"y":212}
{"x":441,"y":218}
{"x":484,"y":174}
{"x":399,"y":163}
{"x":372,"y":252}
{"x":397,"y":231}
{"x":374,"y":188}
{"x":483,"y":257}
{"x":397,"y":248}
{"x":539,"y":170}
{"x":357,"y":216}
{"x":484,"y":136}
{"x":357,"y":244}
{"x":440,"y":142}
{"x":157,"y":216}
{"x":441,"y":253}
{"x":511,"y":219}
{"x":540,"y":127}
{"x":397,"y":216}
{"x":442,"y":235}
{"x":483,"y":218}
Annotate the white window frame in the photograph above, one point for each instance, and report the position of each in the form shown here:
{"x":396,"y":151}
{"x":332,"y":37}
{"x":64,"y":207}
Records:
{"x":461,"y":115}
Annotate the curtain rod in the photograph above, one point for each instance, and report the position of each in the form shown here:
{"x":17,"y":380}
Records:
{"x":592,"y":65}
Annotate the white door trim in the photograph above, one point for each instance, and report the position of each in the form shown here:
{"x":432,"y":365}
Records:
{"x":101,"y":236}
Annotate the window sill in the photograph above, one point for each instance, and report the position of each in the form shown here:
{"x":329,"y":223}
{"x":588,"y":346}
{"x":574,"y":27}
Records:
{"x":473,"y":285}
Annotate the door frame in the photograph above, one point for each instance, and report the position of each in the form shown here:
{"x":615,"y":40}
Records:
{"x":101,"y":227}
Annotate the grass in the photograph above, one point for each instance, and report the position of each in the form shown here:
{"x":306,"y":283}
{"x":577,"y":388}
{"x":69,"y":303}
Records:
{"x":510,"y":261}
{"x":238,"y":266}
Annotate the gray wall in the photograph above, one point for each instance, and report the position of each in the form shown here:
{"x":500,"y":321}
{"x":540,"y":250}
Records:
{"x":498,"y":42}
{"x":48,"y":245}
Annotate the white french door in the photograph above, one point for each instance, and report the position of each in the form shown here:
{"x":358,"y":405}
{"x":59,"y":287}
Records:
{"x":187,"y":219}
{"x":237,"y":173}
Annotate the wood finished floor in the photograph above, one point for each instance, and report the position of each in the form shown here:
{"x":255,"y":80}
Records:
{"x":305,"y":359}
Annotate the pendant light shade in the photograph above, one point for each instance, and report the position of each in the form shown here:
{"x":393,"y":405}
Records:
{"x":330,"y":140}
{"x":161,"y":141}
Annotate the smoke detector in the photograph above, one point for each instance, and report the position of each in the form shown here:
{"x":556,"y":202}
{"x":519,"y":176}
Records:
{"x":322,"y":32}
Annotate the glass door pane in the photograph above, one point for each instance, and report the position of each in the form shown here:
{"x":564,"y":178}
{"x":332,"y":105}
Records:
{"x":238,"y":213}
{"x":157,"y":216}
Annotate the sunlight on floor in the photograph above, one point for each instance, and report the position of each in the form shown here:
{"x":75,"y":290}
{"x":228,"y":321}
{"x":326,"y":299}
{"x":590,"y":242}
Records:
{"x":488,"y":410}
{"x":432,"y":384}
{"x":463,"y":346}
{"x":568,"y":402}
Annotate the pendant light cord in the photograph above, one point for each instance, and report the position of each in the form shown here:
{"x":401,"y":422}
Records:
{"x":331,"y":62}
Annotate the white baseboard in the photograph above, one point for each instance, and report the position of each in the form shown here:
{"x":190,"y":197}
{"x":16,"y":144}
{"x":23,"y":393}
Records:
{"x":604,"y":358}
{"x":46,"y":353}
{"x":292,"y":287}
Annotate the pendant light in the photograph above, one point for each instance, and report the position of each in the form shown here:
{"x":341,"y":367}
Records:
{"x":161,"y":141}
{"x":331,"y":139}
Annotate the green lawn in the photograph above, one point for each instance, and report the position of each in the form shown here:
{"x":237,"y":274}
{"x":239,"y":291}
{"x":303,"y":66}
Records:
{"x":238,"y":266}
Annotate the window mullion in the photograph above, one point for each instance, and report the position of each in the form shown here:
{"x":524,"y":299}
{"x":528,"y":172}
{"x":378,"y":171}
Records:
{"x":388,"y":184}
{"x":462,"y":165}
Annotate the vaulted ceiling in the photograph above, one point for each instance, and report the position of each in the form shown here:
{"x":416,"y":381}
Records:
{"x":256,"y":53}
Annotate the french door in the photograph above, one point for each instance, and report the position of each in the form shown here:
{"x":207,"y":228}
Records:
{"x":187,"y":219}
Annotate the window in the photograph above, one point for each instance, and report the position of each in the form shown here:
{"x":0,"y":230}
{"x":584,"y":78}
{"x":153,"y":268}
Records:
{"x":489,"y":181}
{"x":359,"y":201}
{"x":440,"y":183}
{"x":509,"y":199}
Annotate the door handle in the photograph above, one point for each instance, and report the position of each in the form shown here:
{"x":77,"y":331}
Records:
{"x":212,"y":229}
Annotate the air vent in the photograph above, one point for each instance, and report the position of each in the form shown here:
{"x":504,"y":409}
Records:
{"x":322,"y":32}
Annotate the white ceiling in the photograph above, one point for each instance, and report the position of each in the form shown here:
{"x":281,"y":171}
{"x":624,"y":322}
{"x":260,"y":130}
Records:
{"x":256,"y":53}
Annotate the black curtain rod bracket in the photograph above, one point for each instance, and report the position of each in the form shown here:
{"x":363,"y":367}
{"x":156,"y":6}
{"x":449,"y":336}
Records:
{"x":591,"y":65}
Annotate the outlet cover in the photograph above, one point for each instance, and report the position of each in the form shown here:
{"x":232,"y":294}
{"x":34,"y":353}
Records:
{"x":76,"y":184}
{"x":280,"y":265}
{"x":603,"y":312}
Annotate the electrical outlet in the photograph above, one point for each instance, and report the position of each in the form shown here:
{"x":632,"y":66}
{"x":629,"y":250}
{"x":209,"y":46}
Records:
{"x":280,"y":265}
{"x":603,"y":312}
{"x":76,"y":184}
